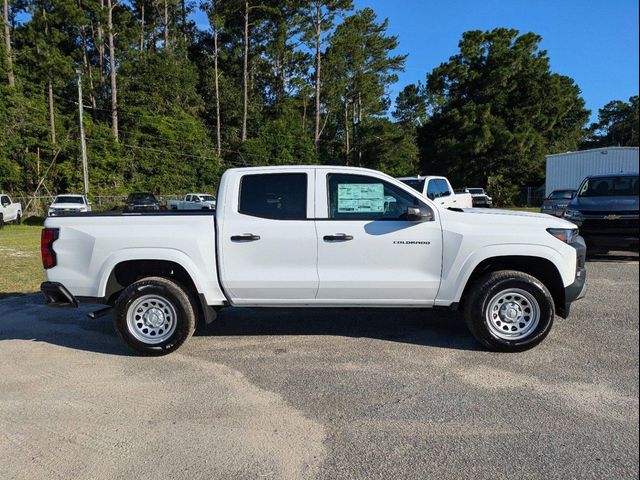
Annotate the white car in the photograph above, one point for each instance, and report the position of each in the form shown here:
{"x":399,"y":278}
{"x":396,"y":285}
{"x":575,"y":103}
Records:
{"x":9,"y":211}
{"x":316,"y":236}
{"x":68,"y":204}
{"x":193,"y":201}
{"x":439,"y":190}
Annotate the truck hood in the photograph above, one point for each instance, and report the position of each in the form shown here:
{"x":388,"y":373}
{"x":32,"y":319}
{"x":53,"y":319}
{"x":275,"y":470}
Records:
{"x":609,"y":204}
{"x":507,"y":217}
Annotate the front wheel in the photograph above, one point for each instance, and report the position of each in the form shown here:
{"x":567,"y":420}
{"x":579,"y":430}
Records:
{"x":154,"y":316}
{"x":509,"y":311}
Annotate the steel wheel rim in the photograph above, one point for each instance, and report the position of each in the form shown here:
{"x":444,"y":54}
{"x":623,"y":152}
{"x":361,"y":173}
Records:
{"x":513,"y":314}
{"x":151,"y":319}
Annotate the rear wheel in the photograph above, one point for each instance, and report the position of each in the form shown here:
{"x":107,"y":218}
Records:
{"x":155,"y":316}
{"x":18,"y":219}
{"x":509,"y":311}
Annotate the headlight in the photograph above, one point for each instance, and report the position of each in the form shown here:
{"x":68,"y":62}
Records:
{"x":567,"y":235}
{"x":573,"y":214}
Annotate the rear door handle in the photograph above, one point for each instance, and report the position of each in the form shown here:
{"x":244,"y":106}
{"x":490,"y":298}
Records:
{"x":338,"y":237}
{"x":245,"y":237}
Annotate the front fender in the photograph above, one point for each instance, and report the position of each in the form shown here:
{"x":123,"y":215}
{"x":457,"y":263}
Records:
{"x":456,"y":274}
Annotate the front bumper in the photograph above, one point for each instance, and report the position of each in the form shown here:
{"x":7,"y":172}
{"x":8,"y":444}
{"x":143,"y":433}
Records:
{"x":57,"y":295}
{"x":578,"y":288}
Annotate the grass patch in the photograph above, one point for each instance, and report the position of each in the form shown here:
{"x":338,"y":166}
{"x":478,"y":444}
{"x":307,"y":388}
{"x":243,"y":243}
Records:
{"x":525,"y":209}
{"x":20,"y":265}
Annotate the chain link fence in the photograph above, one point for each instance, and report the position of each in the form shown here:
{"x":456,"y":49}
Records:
{"x":38,"y":206}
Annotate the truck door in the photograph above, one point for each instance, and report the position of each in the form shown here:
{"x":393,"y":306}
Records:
{"x":268,"y":238}
{"x":369,"y":252}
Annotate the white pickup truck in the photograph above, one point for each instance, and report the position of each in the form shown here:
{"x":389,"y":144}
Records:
{"x":439,"y":190}
{"x":9,"y":211}
{"x":193,"y":201}
{"x":315,"y":236}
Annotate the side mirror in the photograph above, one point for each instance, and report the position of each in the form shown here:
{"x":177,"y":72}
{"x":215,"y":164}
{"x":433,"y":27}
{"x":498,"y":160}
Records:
{"x":419,"y":214}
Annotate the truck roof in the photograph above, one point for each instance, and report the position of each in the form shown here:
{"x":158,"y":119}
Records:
{"x":420,"y":177}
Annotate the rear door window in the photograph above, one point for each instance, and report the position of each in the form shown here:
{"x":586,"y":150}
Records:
{"x":279,"y":196}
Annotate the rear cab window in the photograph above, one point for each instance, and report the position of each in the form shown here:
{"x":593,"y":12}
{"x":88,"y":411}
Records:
{"x":276,"y":196}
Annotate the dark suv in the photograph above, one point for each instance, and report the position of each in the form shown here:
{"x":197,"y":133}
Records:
{"x":141,"y":201}
{"x":606,"y":210}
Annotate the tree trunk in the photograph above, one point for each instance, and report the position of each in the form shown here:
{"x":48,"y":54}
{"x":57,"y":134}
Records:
{"x":100,"y":46}
{"x":142,"y":27}
{"x":245,"y":73}
{"x":346,"y":131}
{"x":215,"y":70}
{"x":183,"y":10}
{"x":7,"y":44}
{"x":112,"y":72}
{"x":52,"y":117}
{"x":165,"y":27}
{"x":318,"y":64}
{"x":87,"y":68}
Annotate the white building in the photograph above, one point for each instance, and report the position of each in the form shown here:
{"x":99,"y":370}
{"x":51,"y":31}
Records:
{"x":567,"y":170}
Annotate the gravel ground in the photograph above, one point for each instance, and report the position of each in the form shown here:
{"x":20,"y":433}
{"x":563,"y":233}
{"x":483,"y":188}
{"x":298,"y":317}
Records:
{"x":344,"y":394}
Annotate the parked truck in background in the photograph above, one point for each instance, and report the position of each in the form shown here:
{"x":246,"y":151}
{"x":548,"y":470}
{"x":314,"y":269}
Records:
{"x":9,"y":211}
{"x":479,"y":197}
{"x":315,"y":236}
{"x":439,"y":190}
{"x":67,"y":204}
{"x":193,"y":201}
{"x":606,"y":209}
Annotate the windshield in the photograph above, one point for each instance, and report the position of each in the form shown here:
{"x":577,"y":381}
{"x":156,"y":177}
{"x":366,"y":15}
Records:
{"x":610,"y":186}
{"x":476,"y":191}
{"x":414,"y":183}
{"x":140,"y":197}
{"x":65,"y":199}
{"x":207,"y":198}
{"x":562,"y":195}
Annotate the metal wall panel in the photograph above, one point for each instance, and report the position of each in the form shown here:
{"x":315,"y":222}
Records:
{"x":567,"y":170}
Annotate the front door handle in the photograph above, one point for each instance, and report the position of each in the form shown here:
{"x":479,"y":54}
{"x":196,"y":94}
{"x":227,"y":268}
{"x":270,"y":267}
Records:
{"x":245,"y":237}
{"x":338,"y":237}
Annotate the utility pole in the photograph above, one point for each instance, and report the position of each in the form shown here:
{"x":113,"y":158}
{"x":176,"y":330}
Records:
{"x":83,"y":143}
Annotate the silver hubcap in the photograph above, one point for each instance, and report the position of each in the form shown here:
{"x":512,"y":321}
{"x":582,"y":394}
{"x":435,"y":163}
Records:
{"x":151,"y":319}
{"x":513,"y":314}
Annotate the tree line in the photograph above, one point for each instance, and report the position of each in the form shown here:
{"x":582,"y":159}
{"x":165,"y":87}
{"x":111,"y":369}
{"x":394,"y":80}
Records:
{"x":170,"y":104}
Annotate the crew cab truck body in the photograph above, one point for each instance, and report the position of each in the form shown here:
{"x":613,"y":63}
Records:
{"x":439,"y":190}
{"x":9,"y":211}
{"x":315,"y":237}
{"x":193,"y":201}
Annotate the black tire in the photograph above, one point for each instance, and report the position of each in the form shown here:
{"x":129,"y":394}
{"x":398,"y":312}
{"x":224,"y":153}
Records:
{"x":18,"y":220}
{"x":1,"y":221}
{"x":490,"y":287}
{"x":179,"y":299}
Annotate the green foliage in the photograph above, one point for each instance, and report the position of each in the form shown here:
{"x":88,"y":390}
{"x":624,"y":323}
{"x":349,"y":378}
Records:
{"x":497,"y":110}
{"x":617,"y":125}
{"x":491,"y":112}
{"x":502,"y":191}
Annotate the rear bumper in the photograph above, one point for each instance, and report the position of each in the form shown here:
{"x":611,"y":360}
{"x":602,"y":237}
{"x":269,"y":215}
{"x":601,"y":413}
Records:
{"x":56,"y":295}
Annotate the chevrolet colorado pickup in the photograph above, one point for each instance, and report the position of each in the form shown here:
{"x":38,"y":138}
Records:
{"x":315,"y":237}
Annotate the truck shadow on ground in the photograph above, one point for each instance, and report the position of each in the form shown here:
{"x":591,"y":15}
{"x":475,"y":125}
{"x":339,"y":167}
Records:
{"x":25,"y":317}
{"x":435,"y":328}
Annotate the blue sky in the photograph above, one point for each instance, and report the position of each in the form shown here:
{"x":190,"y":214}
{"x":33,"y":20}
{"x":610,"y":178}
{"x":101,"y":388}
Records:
{"x":593,"y":42}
